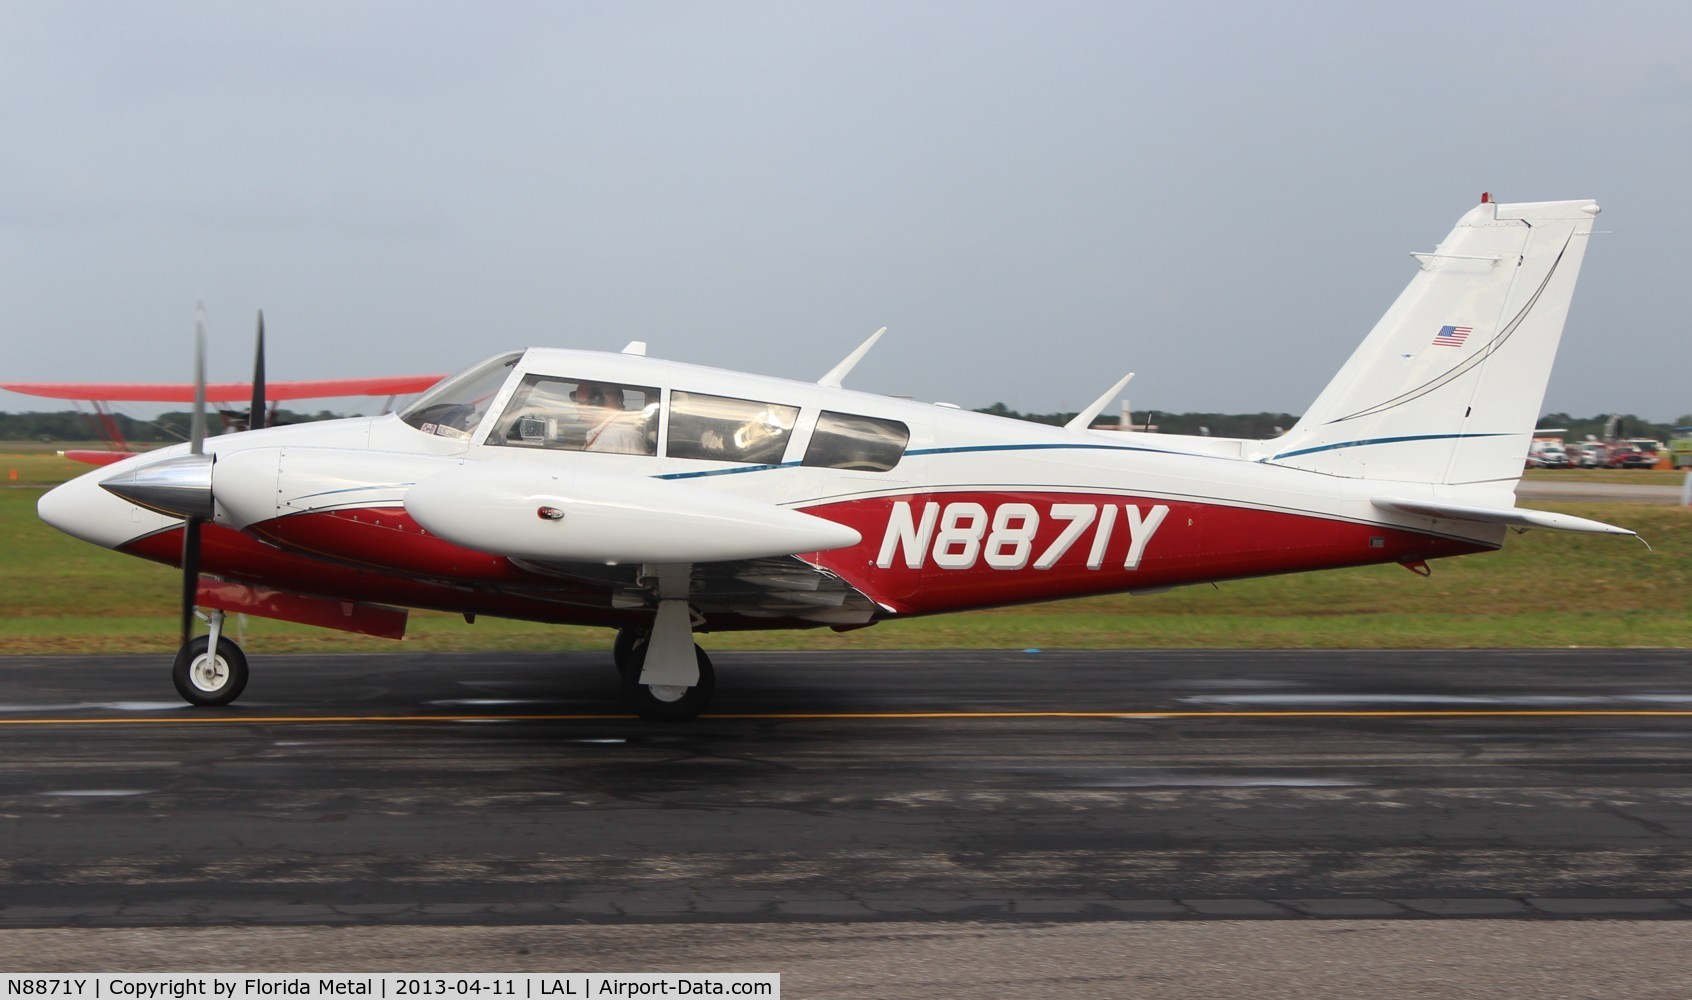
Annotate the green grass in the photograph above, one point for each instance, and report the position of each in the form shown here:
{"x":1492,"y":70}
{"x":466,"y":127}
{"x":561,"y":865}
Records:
{"x":1543,"y":589}
{"x":37,"y":468}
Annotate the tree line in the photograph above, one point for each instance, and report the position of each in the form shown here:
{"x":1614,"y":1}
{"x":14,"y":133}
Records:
{"x":1268,"y":425}
{"x":72,"y":425}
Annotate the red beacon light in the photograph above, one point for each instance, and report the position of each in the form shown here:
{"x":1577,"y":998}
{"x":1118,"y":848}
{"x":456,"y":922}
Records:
{"x":1486,"y":197}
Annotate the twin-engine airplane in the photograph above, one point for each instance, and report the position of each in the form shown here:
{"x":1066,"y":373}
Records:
{"x":663,"y":499}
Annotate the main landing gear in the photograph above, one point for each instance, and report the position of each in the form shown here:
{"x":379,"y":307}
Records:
{"x":666,"y":676}
{"x":205,"y":678}
{"x":660,"y":702}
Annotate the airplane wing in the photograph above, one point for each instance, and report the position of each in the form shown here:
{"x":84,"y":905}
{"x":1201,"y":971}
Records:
{"x":93,"y":457}
{"x":169,"y":392}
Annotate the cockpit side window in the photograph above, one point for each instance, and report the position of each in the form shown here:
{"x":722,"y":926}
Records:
{"x":572,"y":414}
{"x":849,"y":441}
{"x":721,"y":429}
{"x":455,"y":405}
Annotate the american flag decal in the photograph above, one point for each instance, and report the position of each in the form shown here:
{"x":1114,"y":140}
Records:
{"x":1452,"y":336}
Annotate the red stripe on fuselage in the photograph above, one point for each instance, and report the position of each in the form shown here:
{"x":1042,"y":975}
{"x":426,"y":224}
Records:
{"x":426,"y":581}
{"x":1192,"y":542}
{"x":231,"y":555}
{"x":385,"y":538}
{"x":381,"y":555}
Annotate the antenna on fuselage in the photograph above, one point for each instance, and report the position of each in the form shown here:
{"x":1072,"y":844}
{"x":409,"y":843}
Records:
{"x":839,"y":372}
{"x":1084,"y":419}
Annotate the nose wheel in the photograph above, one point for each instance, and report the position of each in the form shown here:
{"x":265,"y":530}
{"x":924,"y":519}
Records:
{"x":204,"y":678}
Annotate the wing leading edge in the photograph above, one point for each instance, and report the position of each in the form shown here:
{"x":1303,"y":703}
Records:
{"x":170,"y":392}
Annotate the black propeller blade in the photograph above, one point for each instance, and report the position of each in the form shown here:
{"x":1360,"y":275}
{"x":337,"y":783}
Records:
{"x":190,"y":575}
{"x":197,"y":423}
{"x":256,"y":414}
{"x":196,"y":446}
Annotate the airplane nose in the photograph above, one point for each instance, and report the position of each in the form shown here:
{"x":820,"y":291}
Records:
{"x":81,"y":509}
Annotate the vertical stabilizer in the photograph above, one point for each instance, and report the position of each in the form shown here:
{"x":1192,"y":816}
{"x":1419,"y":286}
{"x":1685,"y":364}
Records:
{"x":1447,"y":387}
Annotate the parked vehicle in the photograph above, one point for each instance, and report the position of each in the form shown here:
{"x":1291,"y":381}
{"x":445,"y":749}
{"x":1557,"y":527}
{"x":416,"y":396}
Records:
{"x":1587,"y":454}
{"x":1628,"y":455}
{"x":1548,"y":455}
{"x":1680,"y":448}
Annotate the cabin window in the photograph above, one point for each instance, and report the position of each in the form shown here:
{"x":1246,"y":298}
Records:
{"x":849,"y":441}
{"x":720,"y":429}
{"x":455,"y":405}
{"x":572,"y":414}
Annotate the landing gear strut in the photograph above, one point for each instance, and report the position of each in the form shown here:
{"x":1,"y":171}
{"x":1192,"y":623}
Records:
{"x":666,"y":676}
{"x":202,"y":678}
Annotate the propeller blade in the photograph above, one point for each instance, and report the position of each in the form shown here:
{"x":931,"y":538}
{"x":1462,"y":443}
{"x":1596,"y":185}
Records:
{"x":255,"y":415}
{"x":196,"y":446}
{"x":197,"y":424}
{"x":190,"y":575}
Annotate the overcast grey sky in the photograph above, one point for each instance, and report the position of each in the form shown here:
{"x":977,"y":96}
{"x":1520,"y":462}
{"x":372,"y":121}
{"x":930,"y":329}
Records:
{"x":1034,"y":198}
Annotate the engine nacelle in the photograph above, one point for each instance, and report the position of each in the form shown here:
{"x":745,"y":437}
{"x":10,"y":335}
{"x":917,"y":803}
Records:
{"x":550,"y":514}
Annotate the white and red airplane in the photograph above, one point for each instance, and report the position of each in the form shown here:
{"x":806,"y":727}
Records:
{"x":664,"y":499}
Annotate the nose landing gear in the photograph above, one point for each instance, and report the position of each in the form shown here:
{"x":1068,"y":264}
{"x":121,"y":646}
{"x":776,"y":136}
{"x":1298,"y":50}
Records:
{"x":206,"y":678}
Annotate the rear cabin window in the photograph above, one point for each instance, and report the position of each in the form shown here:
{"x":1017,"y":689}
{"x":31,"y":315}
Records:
{"x":571,"y":414}
{"x":721,"y":429}
{"x":849,"y":441}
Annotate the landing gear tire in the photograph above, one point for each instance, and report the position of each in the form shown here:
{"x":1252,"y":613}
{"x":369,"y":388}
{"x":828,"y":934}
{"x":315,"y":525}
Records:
{"x":202,"y":679}
{"x":667,"y":702}
{"x":623,"y":650}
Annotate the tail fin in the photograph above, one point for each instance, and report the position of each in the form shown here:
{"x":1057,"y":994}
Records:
{"x":1447,"y":387}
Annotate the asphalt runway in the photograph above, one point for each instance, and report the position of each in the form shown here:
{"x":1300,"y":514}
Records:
{"x":1617,"y":490}
{"x":993,"y":800}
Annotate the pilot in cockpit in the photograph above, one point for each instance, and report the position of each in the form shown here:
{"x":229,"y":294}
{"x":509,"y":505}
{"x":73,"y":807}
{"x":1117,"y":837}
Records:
{"x":610,"y":428}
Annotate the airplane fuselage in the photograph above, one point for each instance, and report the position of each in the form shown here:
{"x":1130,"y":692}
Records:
{"x":972,"y":510}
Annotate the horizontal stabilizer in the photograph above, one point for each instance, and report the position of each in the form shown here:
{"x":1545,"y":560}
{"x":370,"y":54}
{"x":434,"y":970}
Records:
{"x":1497,"y":515}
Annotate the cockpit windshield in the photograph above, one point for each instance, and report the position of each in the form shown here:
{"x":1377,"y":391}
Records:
{"x":455,"y":405}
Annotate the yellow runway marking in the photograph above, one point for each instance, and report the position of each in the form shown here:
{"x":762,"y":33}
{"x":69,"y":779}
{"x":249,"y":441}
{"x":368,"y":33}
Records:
{"x":1505,"y":713}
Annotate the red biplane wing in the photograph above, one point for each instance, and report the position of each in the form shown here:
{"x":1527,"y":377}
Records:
{"x":166,"y":392}
{"x":91,"y":457}
{"x":102,"y":393}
